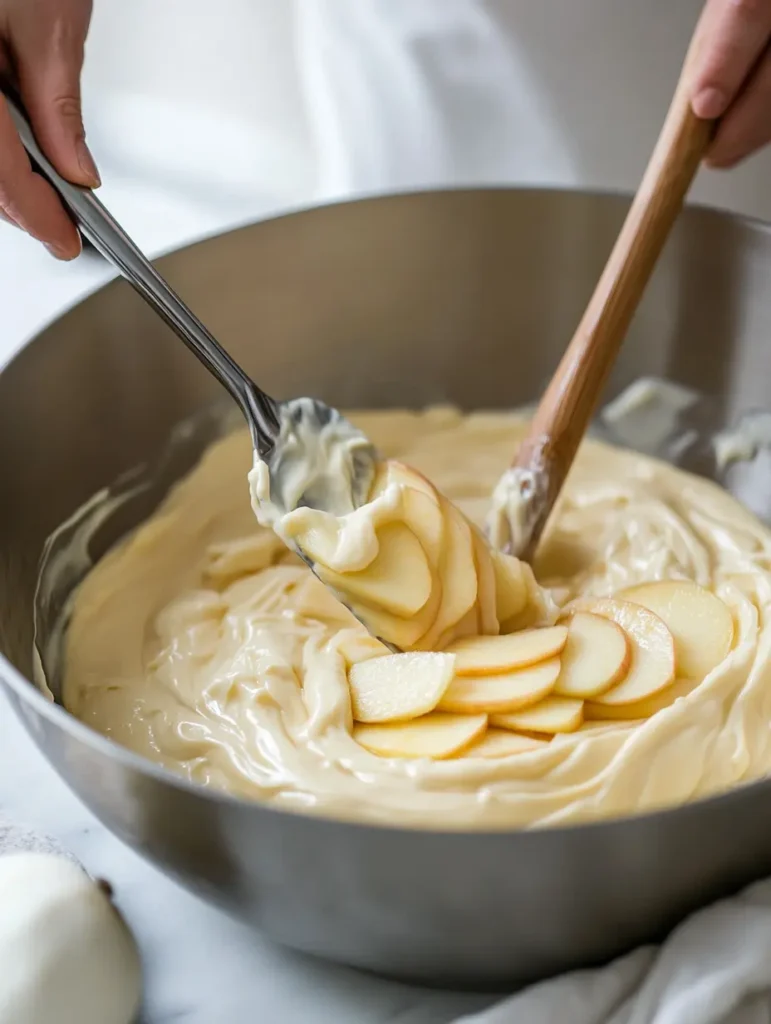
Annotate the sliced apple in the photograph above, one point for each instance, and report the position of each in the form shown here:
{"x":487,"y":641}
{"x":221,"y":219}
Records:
{"x":312,"y":600}
{"x":320,"y":544}
{"x":467,"y":626}
{"x":356,"y":646}
{"x":487,"y":617}
{"x":510,"y":586}
{"x":596,"y":726}
{"x":701,"y":624}
{"x":421,"y":510}
{"x":596,"y":656}
{"x":652,"y":665}
{"x":482,"y":655}
{"x":401,"y":473}
{"x":458,"y":575}
{"x":551,"y":715}
{"x":402,"y":633}
{"x":503,"y":743}
{"x":595,"y":712}
{"x":496,"y":694}
{"x":424,"y":518}
{"x":399,"y":686}
{"x":436,"y":735}
{"x":398,"y":580}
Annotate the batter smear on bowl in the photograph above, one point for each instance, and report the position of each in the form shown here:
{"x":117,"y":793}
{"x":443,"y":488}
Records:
{"x":629,"y":672}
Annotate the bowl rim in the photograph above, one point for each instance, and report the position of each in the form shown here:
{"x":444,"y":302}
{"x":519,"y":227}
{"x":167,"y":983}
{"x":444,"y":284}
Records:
{"x":196,"y":238}
{"x":57,"y":715}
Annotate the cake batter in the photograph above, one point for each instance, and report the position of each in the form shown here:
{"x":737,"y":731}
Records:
{"x":203,"y":644}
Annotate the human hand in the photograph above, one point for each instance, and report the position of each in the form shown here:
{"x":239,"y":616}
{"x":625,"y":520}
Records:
{"x":41,"y":53}
{"x":732,"y":77}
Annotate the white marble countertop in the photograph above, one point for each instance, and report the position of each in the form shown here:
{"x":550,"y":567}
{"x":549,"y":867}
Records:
{"x":201,"y":967}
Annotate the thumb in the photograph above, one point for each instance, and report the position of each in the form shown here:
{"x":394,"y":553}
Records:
{"x":49,"y":80}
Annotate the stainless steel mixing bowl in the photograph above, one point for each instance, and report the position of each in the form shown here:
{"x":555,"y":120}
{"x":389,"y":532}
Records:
{"x":466,"y":296}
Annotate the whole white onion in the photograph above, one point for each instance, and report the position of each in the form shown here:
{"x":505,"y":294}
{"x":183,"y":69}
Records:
{"x":66,"y":955}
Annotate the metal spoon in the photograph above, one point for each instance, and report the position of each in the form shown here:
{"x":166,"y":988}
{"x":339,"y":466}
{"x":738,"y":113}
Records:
{"x":293,"y":438}
{"x":282,"y":432}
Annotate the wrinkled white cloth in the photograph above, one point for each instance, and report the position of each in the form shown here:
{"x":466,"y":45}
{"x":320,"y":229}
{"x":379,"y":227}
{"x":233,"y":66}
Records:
{"x":304,"y":100}
{"x":715,"y":968}
{"x":403,"y":94}
{"x":406,"y":95}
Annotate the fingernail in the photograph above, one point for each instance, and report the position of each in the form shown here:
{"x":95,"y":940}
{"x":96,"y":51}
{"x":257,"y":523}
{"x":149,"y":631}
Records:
{"x":710,"y":102}
{"x":87,"y":165}
{"x":57,"y":251}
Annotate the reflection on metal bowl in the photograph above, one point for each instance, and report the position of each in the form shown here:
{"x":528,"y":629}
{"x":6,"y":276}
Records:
{"x":466,"y":297}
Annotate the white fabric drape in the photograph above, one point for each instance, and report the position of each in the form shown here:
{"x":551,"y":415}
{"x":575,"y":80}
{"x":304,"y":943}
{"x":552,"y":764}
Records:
{"x":714,"y":969}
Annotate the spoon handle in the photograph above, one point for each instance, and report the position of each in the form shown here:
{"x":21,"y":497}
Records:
{"x":105,"y":233}
{"x":569,"y":402}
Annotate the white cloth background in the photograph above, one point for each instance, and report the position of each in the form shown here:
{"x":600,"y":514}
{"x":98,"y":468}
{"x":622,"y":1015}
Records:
{"x":404,"y":93}
{"x":214,"y":113}
{"x":237,"y":102}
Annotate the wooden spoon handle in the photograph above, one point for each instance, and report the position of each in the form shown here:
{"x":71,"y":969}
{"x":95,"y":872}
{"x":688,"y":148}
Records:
{"x":569,"y":403}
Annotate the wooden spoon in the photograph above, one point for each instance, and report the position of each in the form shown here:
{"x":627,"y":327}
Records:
{"x":567,"y":407}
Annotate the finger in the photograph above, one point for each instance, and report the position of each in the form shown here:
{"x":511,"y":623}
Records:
{"x":28,"y":200}
{"x":732,"y":35}
{"x":48,"y":71}
{"x":4,"y":71}
{"x":747,"y":125}
{"x":8,"y":220}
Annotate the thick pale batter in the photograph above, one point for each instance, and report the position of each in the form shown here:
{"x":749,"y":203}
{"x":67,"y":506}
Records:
{"x":201,"y":643}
